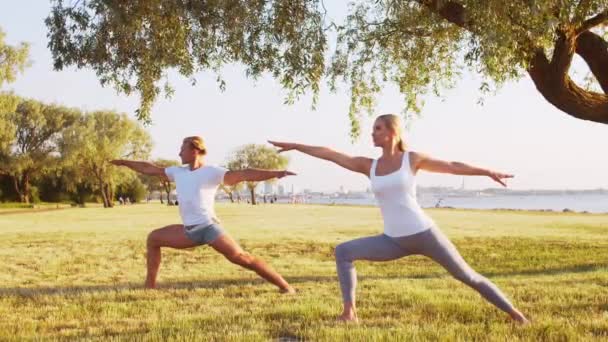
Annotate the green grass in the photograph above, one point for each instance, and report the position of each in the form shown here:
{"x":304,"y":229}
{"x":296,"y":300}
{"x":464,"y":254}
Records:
{"x":77,"y":274}
{"x":12,"y":207}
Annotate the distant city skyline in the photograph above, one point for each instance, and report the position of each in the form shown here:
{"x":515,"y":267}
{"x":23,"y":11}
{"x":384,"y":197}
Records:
{"x":516,"y":131}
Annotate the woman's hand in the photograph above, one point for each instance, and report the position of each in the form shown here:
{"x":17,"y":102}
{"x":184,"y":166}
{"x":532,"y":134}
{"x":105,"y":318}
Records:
{"x":285,"y":173}
{"x":283,"y":146}
{"x":498,"y":177}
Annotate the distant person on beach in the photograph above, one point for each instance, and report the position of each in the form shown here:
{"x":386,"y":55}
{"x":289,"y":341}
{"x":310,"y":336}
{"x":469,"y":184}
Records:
{"x":407,"y":229}
{"x":196,"y":185}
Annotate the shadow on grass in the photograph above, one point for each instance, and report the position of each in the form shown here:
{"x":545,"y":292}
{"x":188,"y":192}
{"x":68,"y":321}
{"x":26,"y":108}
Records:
{"x":222,"y":283}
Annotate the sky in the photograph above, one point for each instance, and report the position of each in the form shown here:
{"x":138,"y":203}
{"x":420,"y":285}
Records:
{"x":514,"y":131}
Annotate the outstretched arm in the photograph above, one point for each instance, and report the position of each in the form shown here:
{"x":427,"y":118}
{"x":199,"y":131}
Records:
{"x":356,"y":164}
{"x":423,"y":162}
{"x":254,"y":175}
{"x":144,"y":167}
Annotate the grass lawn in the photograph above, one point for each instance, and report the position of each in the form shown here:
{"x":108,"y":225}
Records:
{"x":77,"y":274}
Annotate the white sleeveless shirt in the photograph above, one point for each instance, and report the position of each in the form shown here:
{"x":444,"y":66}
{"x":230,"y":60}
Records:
{"x":396,"y":196}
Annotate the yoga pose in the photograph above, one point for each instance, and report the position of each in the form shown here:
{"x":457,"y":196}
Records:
{"x":196,"y":185}
{"x":407,"y":229}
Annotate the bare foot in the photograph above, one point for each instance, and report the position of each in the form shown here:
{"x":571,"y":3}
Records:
{"x":519,"y":317}
{"x":347,"y":318}
{"x":289,"y":291}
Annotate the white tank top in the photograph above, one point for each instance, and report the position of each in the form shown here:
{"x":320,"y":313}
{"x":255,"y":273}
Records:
{"x":396,"y":196}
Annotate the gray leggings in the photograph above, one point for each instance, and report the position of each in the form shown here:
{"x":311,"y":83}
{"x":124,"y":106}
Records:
{"x":431,"y":243}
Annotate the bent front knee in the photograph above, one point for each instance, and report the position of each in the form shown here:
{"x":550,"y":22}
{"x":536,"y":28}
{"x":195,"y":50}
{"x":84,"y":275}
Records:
{"x":151,"y":241}
{"x":342,"y":252}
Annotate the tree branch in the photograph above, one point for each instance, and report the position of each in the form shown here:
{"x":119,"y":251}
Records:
{"x":592,"y":22}
{"x":559,"y":90}
{"x":550,"y":77}
{"x":594,"y":50}
{"x":563,"y":51}
{"x":450,"y":11}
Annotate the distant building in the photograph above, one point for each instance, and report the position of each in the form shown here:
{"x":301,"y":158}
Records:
{"x":269,"y":188}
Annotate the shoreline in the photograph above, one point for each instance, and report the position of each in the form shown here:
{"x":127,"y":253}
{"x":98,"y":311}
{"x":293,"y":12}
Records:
{"x":565,"y":211}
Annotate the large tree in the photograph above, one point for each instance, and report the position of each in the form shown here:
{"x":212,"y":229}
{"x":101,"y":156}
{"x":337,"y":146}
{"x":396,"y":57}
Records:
{"x":36,"y":130}
{"x":13,"y":59}
{"x":253,"y":156}
{"x":420,"y":45}
{"x":97,"y":138}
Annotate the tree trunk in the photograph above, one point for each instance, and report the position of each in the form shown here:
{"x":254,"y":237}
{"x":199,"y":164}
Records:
{"x":231,"y":197}
{"x":104,"y":195}
{"x":25,"y":185}
{"x":17,"y":188}
{"x":594,"y":50}
{"x":21,"y":186}
{"x":160,"y":195}
{"x":110,"y":195}
{"x":252,"y":190}
{"x":167,"y":188}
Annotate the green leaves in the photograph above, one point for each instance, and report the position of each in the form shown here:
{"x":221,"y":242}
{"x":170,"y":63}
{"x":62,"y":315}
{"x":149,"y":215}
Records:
{"x":132,"y":44}
{"x":13,"y":59}
{"x":421,"y":46}
{"x":256,"y":157}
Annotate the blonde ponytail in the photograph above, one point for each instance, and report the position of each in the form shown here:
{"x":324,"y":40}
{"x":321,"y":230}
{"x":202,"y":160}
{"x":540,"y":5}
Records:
{"x":393,"y":122}
{"x":197,"y":143}
{"x":401,"y":145}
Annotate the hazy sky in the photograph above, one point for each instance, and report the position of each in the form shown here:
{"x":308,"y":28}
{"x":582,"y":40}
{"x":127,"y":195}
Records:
{"x":515,"y":131}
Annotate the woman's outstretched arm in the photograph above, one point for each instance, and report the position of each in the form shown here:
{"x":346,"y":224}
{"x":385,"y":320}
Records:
{"x":356,"y":164}
{"x":144,"y":167}
{"x":421,"y":161}
{"x":256,"y":175}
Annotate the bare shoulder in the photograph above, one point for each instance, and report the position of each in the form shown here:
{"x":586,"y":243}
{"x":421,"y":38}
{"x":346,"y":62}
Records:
{"x":365,"y":164}
{"x":364,"y":160}
{"x":416,"y":158}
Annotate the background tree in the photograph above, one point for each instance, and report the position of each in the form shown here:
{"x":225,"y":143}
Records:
{"x":422,"y":46}
{"x":131,"y":187}
{"x":232,"y":191}
{"x":59,"y":184}
{"x":160,"y":184}
{"x":97,"y":138}
{"x":256,"y":157}
{"x":13,"y":59}
{"x":37,"y":129}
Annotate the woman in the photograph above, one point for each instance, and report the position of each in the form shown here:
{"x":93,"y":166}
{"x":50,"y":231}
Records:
{"x":407,"y":229}
{"x":196,"y":185}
